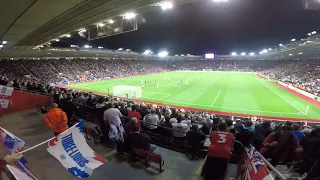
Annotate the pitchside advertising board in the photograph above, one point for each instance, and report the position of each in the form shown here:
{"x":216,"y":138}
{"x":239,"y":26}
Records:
{"x":5,"y":92}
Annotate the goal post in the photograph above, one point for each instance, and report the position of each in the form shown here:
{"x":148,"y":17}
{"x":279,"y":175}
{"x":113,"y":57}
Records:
{"x":125,"y":91}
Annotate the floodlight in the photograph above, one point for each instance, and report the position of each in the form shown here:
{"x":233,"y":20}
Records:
{"x":4,"y":42}
{"x":182,"y":55}
{"x":74,"y":46}
{"x":314,"y":32}
{"x":300,"y":53}
{"x":163,"y":54}
{"x":251,"y":54}
{"x":100,"y":24}
{"x":261,"y":52}
{"x":128,"y":50}
{"x":120,"y":49}
{"x":1,"y":46}
{"x":129,"y":15}
{"x":293,"y":40}
{"x":176,"y":55}
{"x":265,"y":51}
{"x":233,"y":54}
{"x":57,"y":40}
{"x":146,"y":52}
{"x":309,"y":34}
{"x":243,"y":54}
{"x":280,"y":44}
{"x":87,"y":46}
{"x":166,"y":5}
{"x":100,"y":47}
{"x":110,"y":21}
{"x":290,"y":54}
{"x":270,"y":49}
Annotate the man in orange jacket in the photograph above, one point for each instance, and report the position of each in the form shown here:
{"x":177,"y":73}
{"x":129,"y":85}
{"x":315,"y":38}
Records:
{"x":56,"y":119}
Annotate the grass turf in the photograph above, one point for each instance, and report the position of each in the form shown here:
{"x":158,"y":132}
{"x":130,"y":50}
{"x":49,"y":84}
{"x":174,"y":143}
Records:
{"x":232,"y":92}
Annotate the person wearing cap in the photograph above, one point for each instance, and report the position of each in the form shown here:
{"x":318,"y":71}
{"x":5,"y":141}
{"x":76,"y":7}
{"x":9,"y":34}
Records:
{"x":56,"y":119}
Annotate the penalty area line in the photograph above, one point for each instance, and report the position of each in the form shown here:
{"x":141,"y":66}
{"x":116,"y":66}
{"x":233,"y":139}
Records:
{"x":215,"y":99}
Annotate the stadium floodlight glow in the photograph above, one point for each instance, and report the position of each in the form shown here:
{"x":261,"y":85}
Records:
{"x":128,"y":50}
{"x":293,"y":40}
{"x":270,"y":49}
{"x":4,"y":42}
{"x":146,"y":52}
{"x":251,"y":54}
{"x":129,"y":15}
{"x":57,"y":40}
{"x":182,"y":55}
{"x":111,"y":21}
{"x":314,"y":32}
{"x":243,"y":54}
{"x":261,"y":52}
{"x":290,"y":54}
{"x":280,"y":44}
{"x":176,"y":55}
{"x":87,"y":46}
{"x":100,"y":24}
{"x":1,"y":46}
{"x":265,"y":51}
{"x":300,"y":53}
{"x":163,"y":54}
{"x":309,"y":34}
{"x":165,"y":5}
{"x":233,"y":54}
{"x":120,"y":49}
{"x":100,"y":47}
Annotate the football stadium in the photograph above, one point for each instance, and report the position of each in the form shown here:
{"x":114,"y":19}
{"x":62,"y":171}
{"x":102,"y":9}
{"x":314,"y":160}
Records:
{"x":228,"y":92}
{"x":160,"y":89}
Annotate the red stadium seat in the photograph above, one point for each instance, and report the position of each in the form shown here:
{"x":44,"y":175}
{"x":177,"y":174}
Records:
{"x":156,"y":158}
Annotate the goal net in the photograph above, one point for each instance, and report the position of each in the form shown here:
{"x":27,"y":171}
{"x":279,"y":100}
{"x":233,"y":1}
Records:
{"x":125,"y":91}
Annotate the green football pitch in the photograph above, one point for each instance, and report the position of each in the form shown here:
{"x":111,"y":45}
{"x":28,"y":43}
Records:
{"x":231,"y":92}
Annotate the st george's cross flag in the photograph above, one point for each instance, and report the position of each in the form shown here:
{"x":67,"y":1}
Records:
{"x":73,"y":152}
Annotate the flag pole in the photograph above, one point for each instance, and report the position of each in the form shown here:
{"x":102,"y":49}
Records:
{"x":44,"y":142}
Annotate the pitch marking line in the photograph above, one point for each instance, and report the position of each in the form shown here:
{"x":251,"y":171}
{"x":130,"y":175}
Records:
{"x":281,"y":97}
{"x":165,"y":96}
{"x":215,"y":99}
{"x":219,"y":107}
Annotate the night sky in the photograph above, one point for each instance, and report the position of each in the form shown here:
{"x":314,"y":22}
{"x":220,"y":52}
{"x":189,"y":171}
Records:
{"x":197,"y":28}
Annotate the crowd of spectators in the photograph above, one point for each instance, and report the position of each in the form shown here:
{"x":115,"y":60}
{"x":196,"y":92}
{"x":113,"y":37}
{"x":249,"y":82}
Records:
{"x":303,"y":73}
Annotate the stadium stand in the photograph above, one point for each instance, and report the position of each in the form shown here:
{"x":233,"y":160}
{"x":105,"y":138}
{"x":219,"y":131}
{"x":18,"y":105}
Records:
{"x":274,"y":139}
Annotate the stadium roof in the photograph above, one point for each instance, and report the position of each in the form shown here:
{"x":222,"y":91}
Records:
{"x":29,"y":23}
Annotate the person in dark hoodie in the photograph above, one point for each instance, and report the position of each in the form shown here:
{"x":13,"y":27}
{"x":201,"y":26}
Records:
{"x":261,"y":132}
{"x":246,"y":134}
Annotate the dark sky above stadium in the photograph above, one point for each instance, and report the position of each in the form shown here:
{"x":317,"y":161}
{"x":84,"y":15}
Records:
{"x":197,"y":28}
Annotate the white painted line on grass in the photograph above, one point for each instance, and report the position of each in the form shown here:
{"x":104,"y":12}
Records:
{"x":165,"y":96}
{"x":234,"y":109}
{"x":216,"y":98}
{"x":281,"y":97}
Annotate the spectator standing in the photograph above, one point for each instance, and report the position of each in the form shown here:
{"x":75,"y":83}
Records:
{"x":112,"y":115}
{"x":246,"y":134}
{"x":219,"y":153}
{"x":56,"y":119}
{"x":128,"y":127}
{"x":261,"y":132}
{"x":180,"y":130}
{"x":230,"y":126}
{"x":134,"y":113}
{"x":152,"y":121}
{"x":280,"y":146}
{"x":196,"y":139}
